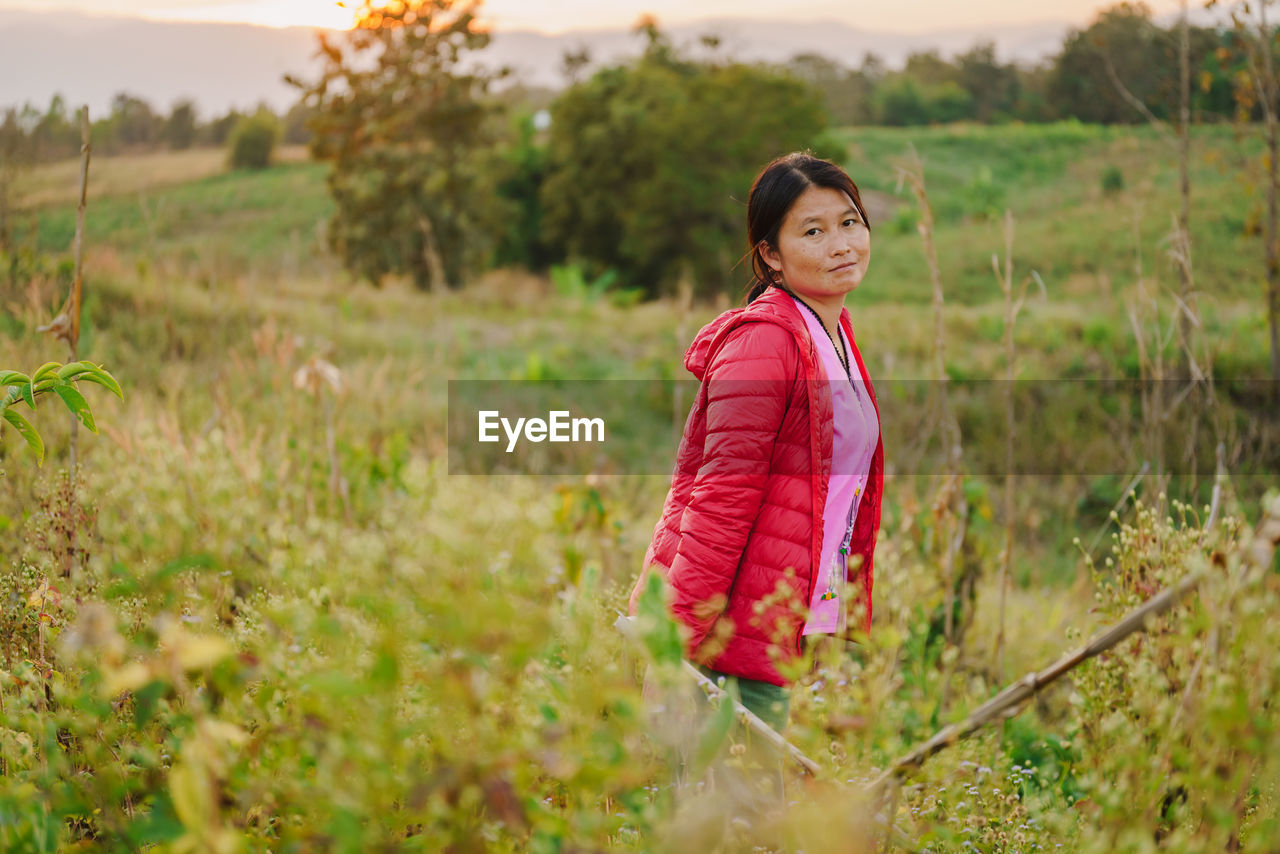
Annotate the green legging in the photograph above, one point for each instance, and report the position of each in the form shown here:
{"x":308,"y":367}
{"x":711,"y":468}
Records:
{"x":770,"y":703}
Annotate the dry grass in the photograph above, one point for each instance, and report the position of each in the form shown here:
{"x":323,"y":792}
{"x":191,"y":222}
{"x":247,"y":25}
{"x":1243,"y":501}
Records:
{"x":58,"y":183}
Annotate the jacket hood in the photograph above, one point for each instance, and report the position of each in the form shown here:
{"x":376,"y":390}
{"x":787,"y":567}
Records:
{"x":773,"y":306}
{"x":698,"y":356}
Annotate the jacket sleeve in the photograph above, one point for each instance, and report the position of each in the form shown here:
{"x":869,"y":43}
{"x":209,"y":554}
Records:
{"x":748,"y":384}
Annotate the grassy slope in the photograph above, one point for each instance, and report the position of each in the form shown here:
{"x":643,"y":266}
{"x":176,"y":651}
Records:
{"x":1080,"y":240}
{"x":189,"y":208}
{"x":214,"y":452}
{"x":241,"y":238}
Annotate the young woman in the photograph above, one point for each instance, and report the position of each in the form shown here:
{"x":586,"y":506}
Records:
{"x":775,"y":500}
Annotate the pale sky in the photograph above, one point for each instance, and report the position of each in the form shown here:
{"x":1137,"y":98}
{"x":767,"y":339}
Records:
{"x":903,"y":16}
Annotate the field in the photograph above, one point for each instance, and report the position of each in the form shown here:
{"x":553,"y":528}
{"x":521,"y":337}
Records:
{"x":272,"y":620}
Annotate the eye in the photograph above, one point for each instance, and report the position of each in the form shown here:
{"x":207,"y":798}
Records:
{"x":852,"y":221}
{"x":811,"y":231}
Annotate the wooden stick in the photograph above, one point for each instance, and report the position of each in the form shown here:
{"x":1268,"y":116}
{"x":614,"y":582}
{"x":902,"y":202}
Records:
{"x":73,"y":338}
{"x":1008,"y":702}
{"x":626,"y":625}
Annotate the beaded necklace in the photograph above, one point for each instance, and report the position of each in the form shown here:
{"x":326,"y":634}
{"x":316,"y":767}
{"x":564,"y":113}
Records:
{"x":839,"y":348}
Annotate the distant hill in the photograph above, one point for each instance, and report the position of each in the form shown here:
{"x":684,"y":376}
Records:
{"x":89,"y":59}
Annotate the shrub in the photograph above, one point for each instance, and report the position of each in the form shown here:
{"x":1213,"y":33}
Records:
{"x":253,"y":142}
{"x":1112,"y":179}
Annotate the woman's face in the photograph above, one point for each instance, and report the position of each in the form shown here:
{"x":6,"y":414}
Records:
{"x":823,"y":246}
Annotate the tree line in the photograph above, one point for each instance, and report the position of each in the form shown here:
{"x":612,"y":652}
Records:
{"x":974,"y":85}
{"x":441,"y":165}
{"x":1078,"y":82}
{"x":30,"y":134}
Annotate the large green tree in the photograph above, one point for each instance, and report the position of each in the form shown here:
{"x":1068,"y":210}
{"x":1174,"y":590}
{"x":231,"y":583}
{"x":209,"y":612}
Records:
{"x":1122,"y":41}
{"x":401,"y":113}
{"x":649,"y":163}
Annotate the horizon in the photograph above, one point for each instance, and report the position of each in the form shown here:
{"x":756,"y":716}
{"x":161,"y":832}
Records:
{"x":567,"y":16}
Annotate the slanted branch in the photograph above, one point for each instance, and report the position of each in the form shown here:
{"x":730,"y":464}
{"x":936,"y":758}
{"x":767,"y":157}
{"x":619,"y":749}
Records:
{"x":1257,"y":555}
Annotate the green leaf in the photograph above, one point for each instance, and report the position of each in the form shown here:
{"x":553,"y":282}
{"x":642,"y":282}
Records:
{"x":658,"y":630}
{"x":28,"y":395}
{"x":102,"y":378}
{"x":76,"y":403}
{"x":45,"y":370}
{"x":184,"y":563}
{"x":386,"y":671}
{"x":74,"y":369}
{"x":23,"y":426}
{"x":13,"y":378}
{"x":715,"y":731}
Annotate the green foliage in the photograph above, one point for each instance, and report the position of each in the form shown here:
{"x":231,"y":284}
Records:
{"x":648,"y":163}
{"x":411,"y":142}
{"x":982,"y":197}
{"x":1112,"y":179}
{"x":51,"y":378}
{"x":525,"y":166}
{"x":253,"y":142}
{"x":180,"y":128}
{"x":571,"y":283}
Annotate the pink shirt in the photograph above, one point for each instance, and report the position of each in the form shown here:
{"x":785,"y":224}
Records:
{"x":856,"y":433}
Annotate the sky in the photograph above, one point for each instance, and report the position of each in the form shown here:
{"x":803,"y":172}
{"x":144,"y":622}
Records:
{"x":903,"y":16}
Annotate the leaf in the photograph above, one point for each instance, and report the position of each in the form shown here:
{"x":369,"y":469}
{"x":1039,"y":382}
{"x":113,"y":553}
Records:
{"x":28,"y":395}
{"x":128,"y":677}
{"x":76,"y":403}
{"x":98,"y":375}
{"x":184,"y":563}
{"x":386,"y":671}
{"x":191,"y":794}
{"x":198,"y":653}
{"x":74,"y":369}
{"x":715,"y":731}
{"x":23,"y":426}
{"x":45,"y":370}
{"x":658,"y":630}
{"x":14,"y":378}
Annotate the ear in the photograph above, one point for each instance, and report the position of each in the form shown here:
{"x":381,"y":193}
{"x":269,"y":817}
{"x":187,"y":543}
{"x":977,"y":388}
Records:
{"x":771,"y":256}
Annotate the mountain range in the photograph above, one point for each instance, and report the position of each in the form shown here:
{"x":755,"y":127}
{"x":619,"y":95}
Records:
{"x":88,"y":59}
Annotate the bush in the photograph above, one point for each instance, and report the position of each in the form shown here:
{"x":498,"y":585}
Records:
{"x":1112,"y":180}
{"x":253,"y":142}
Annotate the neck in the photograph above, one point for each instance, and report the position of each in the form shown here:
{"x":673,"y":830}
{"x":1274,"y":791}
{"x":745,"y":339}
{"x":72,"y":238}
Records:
{"x":828,"y":312}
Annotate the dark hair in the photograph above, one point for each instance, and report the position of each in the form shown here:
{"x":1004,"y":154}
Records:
{"x":775,"y":190}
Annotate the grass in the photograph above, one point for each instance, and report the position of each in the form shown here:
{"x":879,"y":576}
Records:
{"x":420,"y":660}
{"x":194,"y":213}
{"x":1082,"y":241}
{"x":130,"y":174}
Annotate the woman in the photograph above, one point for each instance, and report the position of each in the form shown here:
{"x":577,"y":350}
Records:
{"x":775,"y":500}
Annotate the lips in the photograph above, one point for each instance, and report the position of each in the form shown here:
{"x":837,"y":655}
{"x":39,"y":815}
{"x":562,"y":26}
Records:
{"x":845,"y":266}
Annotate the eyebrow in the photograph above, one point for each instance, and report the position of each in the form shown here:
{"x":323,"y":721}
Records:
{"x":843,"y":214}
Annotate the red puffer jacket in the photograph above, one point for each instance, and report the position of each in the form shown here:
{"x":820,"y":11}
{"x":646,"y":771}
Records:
{"x":741,"y":529}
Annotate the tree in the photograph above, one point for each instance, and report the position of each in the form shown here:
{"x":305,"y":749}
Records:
{"x":133,"y":123}
{"x":928,"y":68}
{"x":649,"y":163}
{"x":218,"y":131}
{"x":847,"y":93}
{"x":253,"y":142}
{"x":992,"y":87}
{"x":901,"y":100}
{"x":410,"y":139}
{"x":297,"y":125}
{"x":180,"y":127}
{"x":1139,"y":52}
